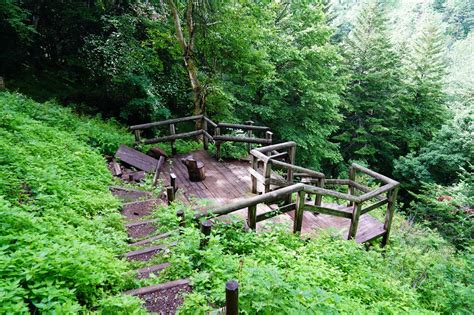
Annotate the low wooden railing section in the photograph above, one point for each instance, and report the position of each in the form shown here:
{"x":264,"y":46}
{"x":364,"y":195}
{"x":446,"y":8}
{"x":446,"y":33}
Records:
{"x":384,"y":195}
{"x":218,"y":136}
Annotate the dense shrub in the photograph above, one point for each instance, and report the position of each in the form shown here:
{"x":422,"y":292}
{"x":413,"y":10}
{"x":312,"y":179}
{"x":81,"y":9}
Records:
{"x":279,"y":273}
{"x":60,"y":229}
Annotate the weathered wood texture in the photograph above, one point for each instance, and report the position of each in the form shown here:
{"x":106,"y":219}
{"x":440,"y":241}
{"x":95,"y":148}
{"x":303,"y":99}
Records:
{"x":136,"y":159}
{"x":227,"y":182}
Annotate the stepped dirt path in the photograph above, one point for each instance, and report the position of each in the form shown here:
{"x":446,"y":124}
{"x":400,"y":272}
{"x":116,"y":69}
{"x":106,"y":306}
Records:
{"x":163,"y":298}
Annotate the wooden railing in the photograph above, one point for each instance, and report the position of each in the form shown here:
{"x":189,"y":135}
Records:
{"x":384,"y":195}
{"x":218,"y":138}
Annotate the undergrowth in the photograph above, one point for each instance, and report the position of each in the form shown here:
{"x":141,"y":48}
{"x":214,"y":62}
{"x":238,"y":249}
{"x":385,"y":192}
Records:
{"x":281,"y":273}
{"x":60,"y":228}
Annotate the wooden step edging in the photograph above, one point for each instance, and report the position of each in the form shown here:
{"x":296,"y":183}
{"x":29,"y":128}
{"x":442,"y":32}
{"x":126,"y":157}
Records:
{"x":134,"y":224}
{"x":151,"y":239}
{"x":141,"y":201}
{"x":148,"y":250}
{"x":158,"y":287}
{"x":152,"y":269}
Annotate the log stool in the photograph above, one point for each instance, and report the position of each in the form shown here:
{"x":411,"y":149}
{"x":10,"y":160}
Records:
{"x":195,"y":169}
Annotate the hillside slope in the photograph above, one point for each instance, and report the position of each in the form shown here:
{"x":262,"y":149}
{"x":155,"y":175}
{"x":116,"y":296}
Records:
{"x":60,"y":229}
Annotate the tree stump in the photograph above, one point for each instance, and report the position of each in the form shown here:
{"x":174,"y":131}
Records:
{"x":195,"y":169}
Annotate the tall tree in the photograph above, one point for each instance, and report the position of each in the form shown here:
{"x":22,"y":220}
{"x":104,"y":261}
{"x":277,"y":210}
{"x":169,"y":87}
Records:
{"x":372,"y":97}
{"x":187,"y":46}
{"x":424,"y":109}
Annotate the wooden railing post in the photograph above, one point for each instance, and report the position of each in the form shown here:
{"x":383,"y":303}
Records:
{"x":267,"y":170}
{"x":254,"y":162}
{"x":352,"y":177}
{"x":173,"y":132}
{"x":319,"y":198}
{"x":205,"y":141}
{"x":137,"y":133}
{"x":354,"y":221}
{"x":392,"y":199}
{"x":249,"y":134}
{"x":217,"y":132}
{"x":170,"y":194}
{"x":269,"y":137}
{"x":298,"y":222}
{"x":206,"y":227}
{"x":289,"y":174}
{"x":231,"y":297}
{"x":173,"y":182}
{"x":252,"y":217}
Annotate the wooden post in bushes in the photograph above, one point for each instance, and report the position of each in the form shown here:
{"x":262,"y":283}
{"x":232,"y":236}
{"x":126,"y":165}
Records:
{"x":392,"y":199}
{"x":231,"y":297}
{"x":206,"y":227}
{"x":249,"y":134}
{"x":354,"y":221}
{"x":298,"y":223}
{"x":173,"y":132}
{"x":170,"y":194}
{"x":137,"y":136}
{"x":252,"y":217}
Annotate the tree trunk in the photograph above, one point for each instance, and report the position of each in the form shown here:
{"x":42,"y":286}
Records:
{"x":187,"y":47}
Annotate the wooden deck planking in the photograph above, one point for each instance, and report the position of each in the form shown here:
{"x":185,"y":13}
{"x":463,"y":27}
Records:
{"x":227,"y":182}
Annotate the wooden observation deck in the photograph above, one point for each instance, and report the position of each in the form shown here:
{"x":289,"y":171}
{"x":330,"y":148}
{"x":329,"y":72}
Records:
{"x":299,"y":198}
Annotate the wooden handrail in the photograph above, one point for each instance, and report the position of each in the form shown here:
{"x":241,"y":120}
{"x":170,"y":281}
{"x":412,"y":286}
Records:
{"x":165,"y":122}
{"x":243,"y":127}
{"x":373,"y":174}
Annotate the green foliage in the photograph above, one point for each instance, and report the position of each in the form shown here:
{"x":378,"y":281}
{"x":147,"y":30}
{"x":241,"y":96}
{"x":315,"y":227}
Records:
{"x":278,"y":272}
{"x":282,"y":73}
{"x":60,"y":230}
{"x":441,"y":160}
{"x":452,"y":218}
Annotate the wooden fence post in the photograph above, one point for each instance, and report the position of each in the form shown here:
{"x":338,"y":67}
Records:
{"x":289,"y":174}
{"x":319,"y":198}
{"x":173,"y":182}
{"x":354,"y":221}
{"x":217,"y":132}
{"x":173,"y":132}
{"x":254,"y":163}
{"x":392,"y":199}
{"x":231,"y":297}
{"x":170,"y":194}
{"x":252,"y":217}
{"x":269,"y":136}
{"x":206,"y":227}
{"x":267,"y":170}
{"x":137,"y":136}
{"x":352,"y":177}
{"x":205,"y":141}
{"x":249,"y":134}
{"x":298,"y":223}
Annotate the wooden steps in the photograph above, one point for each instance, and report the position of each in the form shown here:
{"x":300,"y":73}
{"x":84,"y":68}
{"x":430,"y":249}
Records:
{"x":151,"y":239}
{"x":147,"y":253}
{"x":147,"y":271}
{"x":163,"y":298}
